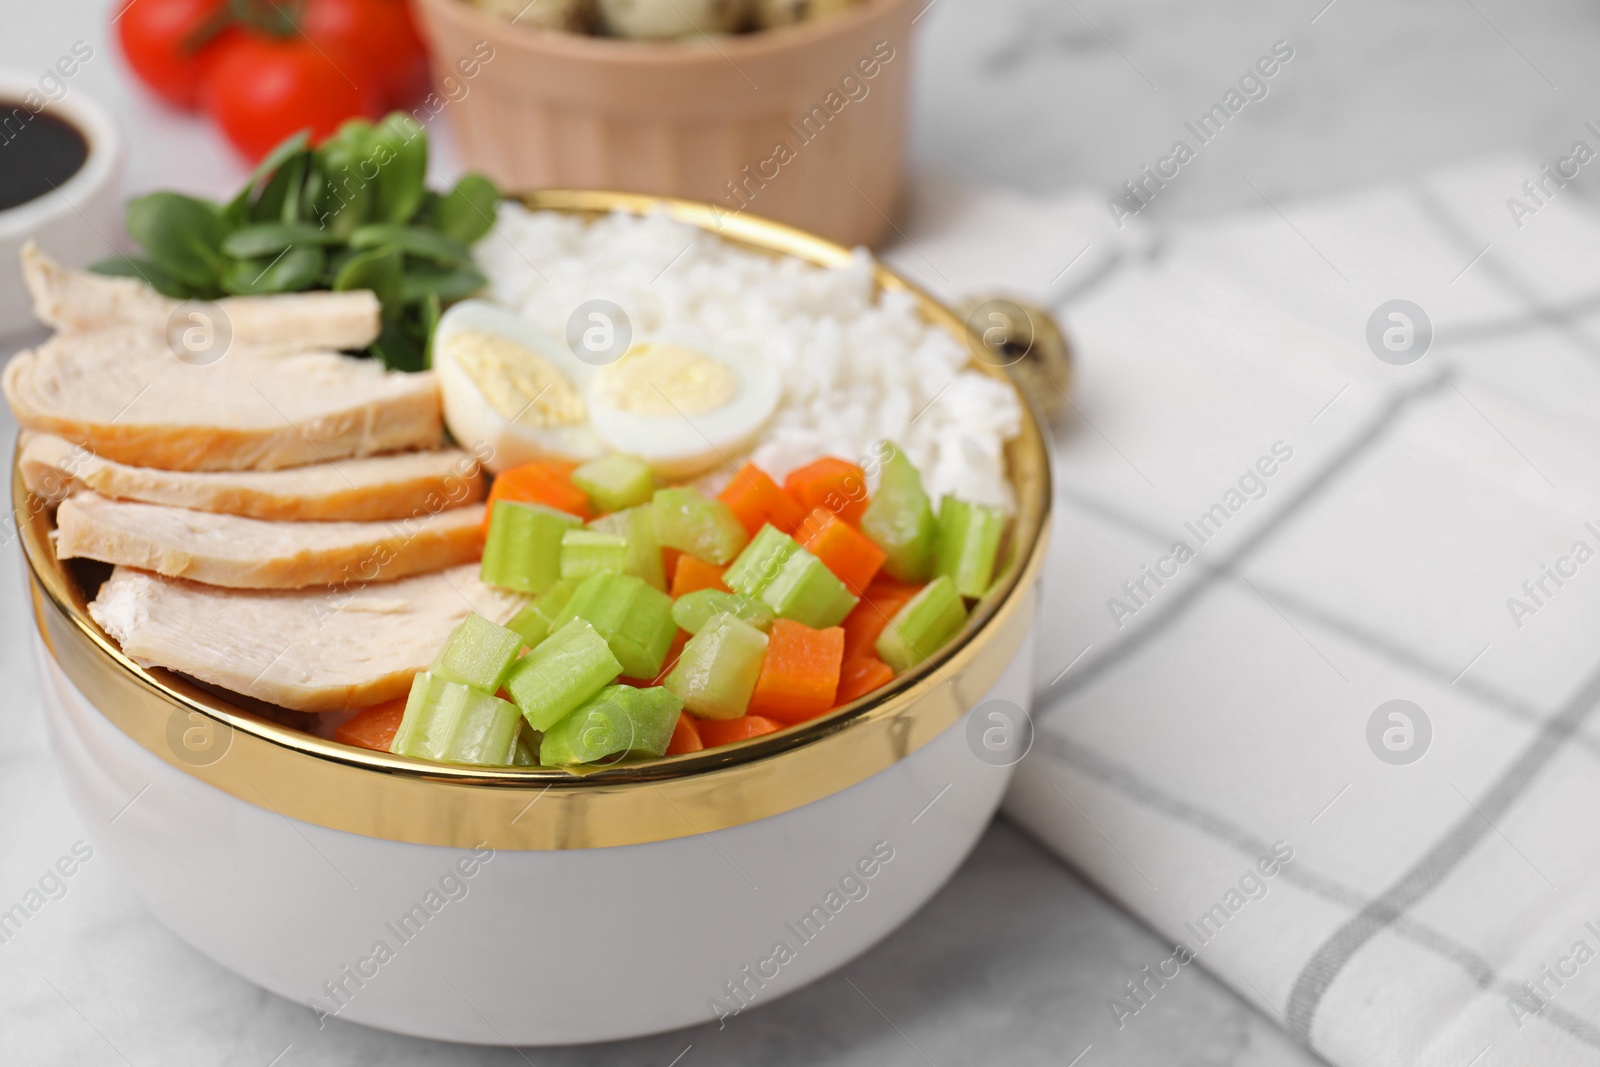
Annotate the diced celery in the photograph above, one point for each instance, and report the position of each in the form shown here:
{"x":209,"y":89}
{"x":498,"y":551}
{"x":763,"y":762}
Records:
{"x":618,"y":720}
{"x":570,"y":666}
{"x":534,"y":622}
{"x":693,"y":610}
{"x":455,"y":723}
{"x":806,"y":591}
{"x":485,"y":731}
{"x":706,"y":529}
{"x":478,"y":653}
{"x":760,"y":562}
{"x":589,"y":552}
{"x":525,"y":749}
{"x":635,"y":620}
{"x":615,"y":482}
{"x":523,"y":549}
{"x":638,"y":525}
{"x":900,"y":519}
{"x":969,"y":540}
{"x":717,"y":671}
{"x":923,"y":625}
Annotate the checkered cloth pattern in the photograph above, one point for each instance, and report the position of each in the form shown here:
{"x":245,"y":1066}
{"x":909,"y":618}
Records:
{"x":1320,"y":645}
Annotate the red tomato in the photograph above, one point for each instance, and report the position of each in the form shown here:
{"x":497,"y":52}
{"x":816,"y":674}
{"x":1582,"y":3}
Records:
{"x":263,"y":89}
{"x":155,"y":37}
{"x":380,"y":31}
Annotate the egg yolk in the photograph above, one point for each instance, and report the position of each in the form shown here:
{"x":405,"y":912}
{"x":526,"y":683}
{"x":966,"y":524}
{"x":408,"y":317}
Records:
{"x":666,"y":379}
{"x":521,"y":385}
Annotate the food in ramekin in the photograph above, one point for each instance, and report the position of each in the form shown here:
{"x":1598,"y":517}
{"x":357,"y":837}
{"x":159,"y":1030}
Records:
{"x":663,"y":19}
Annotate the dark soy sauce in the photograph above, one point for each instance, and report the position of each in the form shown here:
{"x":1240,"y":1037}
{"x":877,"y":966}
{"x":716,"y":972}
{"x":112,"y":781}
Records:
{"x":38,"y":152}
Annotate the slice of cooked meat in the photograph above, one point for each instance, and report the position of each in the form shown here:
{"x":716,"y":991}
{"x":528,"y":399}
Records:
{"x":76,"y":301}
{"x":311,"y":650}
{"x":241,"y":553}
{"x":122,"y":394}
{"x":356,"y":490}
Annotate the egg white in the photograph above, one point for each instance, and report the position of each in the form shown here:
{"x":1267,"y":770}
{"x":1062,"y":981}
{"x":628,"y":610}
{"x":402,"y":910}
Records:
{"x":474,"y":422}
{"x":683,"y":445}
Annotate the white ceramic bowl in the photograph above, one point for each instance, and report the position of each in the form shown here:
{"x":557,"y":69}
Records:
{"x":538,"y":906}
{"x":77,"y":222}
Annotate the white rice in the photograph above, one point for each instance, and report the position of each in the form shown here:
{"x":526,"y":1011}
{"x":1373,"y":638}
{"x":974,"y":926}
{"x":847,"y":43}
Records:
{"x":855,"y":370}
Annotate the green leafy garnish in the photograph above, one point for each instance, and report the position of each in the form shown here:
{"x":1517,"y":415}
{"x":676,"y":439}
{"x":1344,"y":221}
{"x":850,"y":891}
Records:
{"x":351,"y":213}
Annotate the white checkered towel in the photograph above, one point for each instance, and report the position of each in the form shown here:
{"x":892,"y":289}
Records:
{"x":1265,"y":534}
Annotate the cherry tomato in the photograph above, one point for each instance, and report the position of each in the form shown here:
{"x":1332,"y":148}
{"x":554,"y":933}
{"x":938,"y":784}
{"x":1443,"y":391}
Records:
{"x":382,"y":32}
{"x":263,"y":89}
{"x":156,"y":35}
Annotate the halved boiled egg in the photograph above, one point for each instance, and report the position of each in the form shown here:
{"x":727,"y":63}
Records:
{"x":682,"y":404}
{"x":512,"y":393}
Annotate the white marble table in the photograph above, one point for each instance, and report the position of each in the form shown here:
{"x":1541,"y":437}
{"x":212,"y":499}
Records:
{"x":1013,"y":962}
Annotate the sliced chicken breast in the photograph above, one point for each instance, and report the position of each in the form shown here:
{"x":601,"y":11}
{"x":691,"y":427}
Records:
{"x":322,"y":650}
{"x":241,"y":553}
{"x":75,"y":301}
{"x":121,"y":393}
{"x":355,"y":490}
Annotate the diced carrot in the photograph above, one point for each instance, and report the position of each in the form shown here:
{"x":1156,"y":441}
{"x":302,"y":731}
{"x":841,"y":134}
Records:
{"x":860,"y":676}
{"x":669,"y":562}
{"x":755,"y":499}
{"x":800,"y":672}
{"x":715,"y":732}
{"x":372,"y":727}
{"x":852,"y":558}
{"x":685,"y":736}
{"x":884,"y":586}
{"x":694,"y":575}
{"x":547,"y":483}
{"x":867,"y":619}
{"x":830,"y":483}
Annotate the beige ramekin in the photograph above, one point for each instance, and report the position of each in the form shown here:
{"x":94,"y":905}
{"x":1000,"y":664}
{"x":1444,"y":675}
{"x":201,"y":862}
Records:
{"x":805,"y":125}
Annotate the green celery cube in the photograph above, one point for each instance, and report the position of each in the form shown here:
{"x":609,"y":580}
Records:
{"x":632,"y":618}
{"x":706,"y":529}
{"x":570,"y":666}
{"x":638,"y":525}
{"x":525,"y":749}
{"x":760,"y":562}
{"x":923,"y":626}
{"x":615,"y":482}
{"x":693,"y":610}
{"x":969,"y":540}
{"x":455,"y":723}
{"x":619,"y":720}
{"x":534,"y":622}
{"x":589,"y":552}
{"x":717,"y":671}
{"x":478,"y":653}
{"x":900,"y":519}
{"x":523,"y":549}
{"x":805,"y":590}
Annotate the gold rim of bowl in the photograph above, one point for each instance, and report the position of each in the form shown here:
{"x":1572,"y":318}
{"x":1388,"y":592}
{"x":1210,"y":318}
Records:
{"x":377,"y":794}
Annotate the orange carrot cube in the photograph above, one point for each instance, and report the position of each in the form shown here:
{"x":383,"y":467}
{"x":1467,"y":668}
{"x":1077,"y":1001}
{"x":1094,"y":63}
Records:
{"x":830,"y":483}
{"x":549,"y":484}
{"x":685,"y":736}
{"x":372,"y":727}
{"x":800,"y":673}
{"x":716,"y":732}
{"x":860,"y":676}
{"x":755,"y":500}
{"x":693,"y":575}
{"x":845,"y":551}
